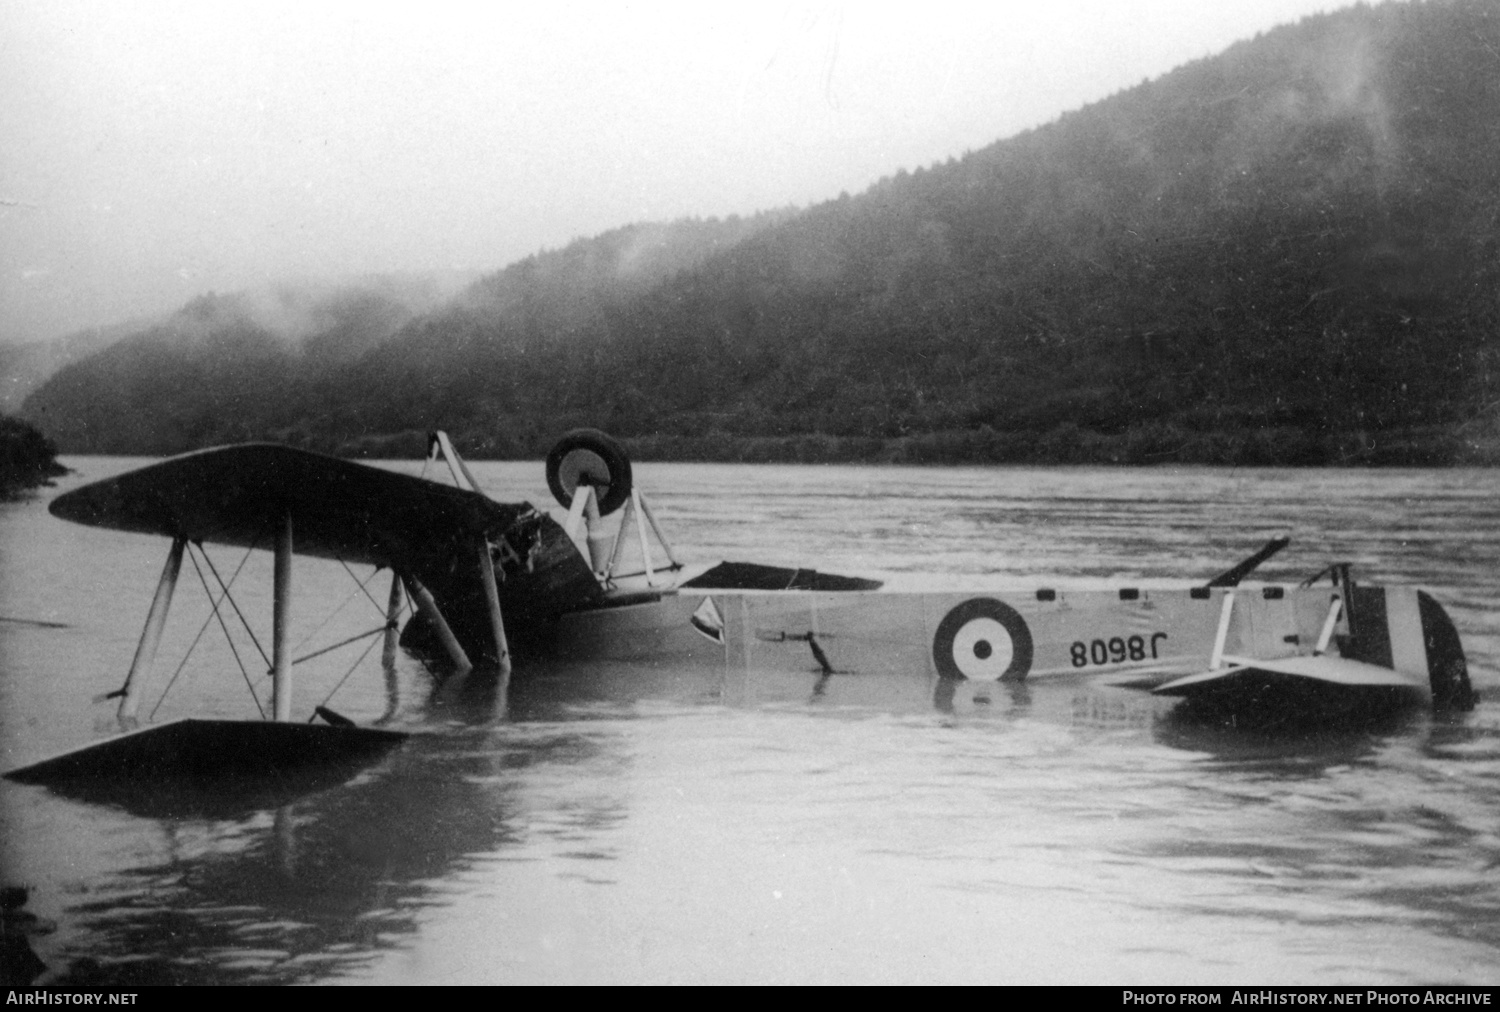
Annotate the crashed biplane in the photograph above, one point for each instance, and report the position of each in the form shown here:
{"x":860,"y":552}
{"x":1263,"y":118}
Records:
{"x":493,"y":580}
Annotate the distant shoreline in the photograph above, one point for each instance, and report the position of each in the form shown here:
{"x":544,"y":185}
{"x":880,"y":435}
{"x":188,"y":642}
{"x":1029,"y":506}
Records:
{"x":1067,"y":444}
{"x":1154,"y":444}
{"x":27,"y":458}
{"x":1070,"y":445}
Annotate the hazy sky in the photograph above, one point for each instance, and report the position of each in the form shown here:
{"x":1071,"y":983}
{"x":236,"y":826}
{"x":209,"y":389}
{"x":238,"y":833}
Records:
{"x":153,"y":151}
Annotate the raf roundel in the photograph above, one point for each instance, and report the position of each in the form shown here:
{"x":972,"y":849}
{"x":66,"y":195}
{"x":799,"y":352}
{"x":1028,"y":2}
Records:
{"x":982,"y":640}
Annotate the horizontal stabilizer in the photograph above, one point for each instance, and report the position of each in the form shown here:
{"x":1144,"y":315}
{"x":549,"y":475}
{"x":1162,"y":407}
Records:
{"x":1321,"y":668}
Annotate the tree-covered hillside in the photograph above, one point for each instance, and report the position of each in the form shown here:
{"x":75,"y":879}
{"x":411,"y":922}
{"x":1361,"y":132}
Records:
{"x":26,"y":366}
{"x":221,"y":367}
{"x":27,"y":458}
{"x":1286,"y":253}
{"x":270,"y":363}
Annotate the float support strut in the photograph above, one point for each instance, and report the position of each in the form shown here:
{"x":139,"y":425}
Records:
{"x":392,"y":622}
{"x":492,"y":600}
{"x":593,"y":525}
{"x":574,"y":525}
{"x":428,"y":607}
{"x":156,"y":618}
{"x":281,"y":620}
{"x":439,"y":440}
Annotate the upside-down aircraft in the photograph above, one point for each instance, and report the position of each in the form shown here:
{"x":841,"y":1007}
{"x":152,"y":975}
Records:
{"x":502,"y":584}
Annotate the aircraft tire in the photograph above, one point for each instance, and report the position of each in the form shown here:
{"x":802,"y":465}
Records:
{"x":588,"y":454}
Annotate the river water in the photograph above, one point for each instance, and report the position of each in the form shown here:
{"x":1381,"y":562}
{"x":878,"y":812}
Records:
{"x":632,"y":824}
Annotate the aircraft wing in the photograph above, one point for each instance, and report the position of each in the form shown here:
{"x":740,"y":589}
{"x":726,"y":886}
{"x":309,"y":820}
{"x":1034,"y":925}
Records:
{"x":237,"y":495}
{"x":1320,"y":668}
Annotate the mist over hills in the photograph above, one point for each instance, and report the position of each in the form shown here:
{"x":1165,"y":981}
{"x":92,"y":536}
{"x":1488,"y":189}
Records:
{"x":26,"y":366}
{"x":1287,"y":253}
{"x":218,"y":357}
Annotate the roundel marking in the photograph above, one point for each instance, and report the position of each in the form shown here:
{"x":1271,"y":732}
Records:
{"x":982,"y":640}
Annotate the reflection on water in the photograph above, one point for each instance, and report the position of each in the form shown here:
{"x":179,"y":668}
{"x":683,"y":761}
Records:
{"x":1382,"y":837}
{"x":295,"y":893}
{"x":647,"y":824}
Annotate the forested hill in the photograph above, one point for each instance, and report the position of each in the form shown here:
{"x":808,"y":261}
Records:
{"x":1287,"y":253}
{"x":27,"y":458}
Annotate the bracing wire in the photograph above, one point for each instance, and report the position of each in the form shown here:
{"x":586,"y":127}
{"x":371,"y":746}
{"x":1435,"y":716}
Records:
{"x":391,"y":622}
{"x":217,"y":613}
{"x":224,"y":595}
{"x":201,"y":630}
{"x":364,"y":585}
{"x":222,"y":625}
{"x":358,"y":661}
{"x":342,"y":604}
{"x":232,"y":604}
{"x":341,"y":643}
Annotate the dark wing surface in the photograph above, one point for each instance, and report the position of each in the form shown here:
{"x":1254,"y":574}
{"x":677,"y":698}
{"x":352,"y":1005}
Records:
{"x":237,"y":495}
{"x":241,"y":495}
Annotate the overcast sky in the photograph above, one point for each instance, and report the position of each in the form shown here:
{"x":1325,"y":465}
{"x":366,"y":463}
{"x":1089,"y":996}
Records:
{"x":153,"y":151}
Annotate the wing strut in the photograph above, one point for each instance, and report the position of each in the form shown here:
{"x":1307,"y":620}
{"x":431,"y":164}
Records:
{"x":156,"y":618}
{"x":281,"y":621}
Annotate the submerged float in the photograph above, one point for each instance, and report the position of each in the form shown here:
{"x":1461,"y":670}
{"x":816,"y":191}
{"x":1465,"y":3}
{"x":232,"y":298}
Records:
{"x":502,"y":584}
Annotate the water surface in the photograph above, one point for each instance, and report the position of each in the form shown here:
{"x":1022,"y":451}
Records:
{"x":636,"y":824}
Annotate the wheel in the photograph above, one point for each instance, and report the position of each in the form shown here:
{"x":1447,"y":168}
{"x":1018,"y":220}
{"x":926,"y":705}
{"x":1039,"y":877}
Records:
{"x":589,"y":457}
